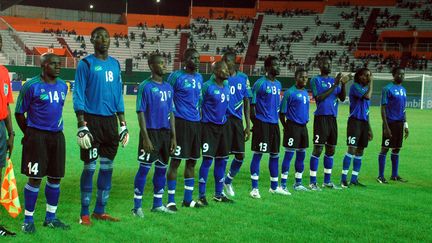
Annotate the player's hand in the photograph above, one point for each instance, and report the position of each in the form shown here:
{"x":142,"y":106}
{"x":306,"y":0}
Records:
{"x":247,"y":133}
{"x":147,"y":145}
{"x":370,"y":135}
{"x":84,"y":137}
{"x":387,"y":132}
{"x":124,"y":135}
{"x":338,"y":79}
{"x":10,"y":144}
{"x":406,"y":133}
{"x":345,"y":78}
{"x":173,"y":145}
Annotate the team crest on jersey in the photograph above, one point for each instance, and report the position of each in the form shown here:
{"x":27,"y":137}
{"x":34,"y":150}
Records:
{"x":299,"y":95}
{"x":42,"y":90}
{"x":155,"y":89}
{"x":187,"y":84}
{"x":98,"y":68}
{"x":43,"y":97}
{"x":63,"y":95}
{"x":323,"y":84}
{"x":6,"y":89}
{"x":268,"y":90}
{"x":216,"y":92}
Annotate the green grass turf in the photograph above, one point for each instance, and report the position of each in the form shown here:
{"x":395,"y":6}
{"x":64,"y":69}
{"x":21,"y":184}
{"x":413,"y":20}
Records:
{"x":394,"y":212}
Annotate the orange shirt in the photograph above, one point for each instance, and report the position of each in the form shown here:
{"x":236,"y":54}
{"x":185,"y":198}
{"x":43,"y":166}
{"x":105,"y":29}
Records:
{"x":5,"y":92}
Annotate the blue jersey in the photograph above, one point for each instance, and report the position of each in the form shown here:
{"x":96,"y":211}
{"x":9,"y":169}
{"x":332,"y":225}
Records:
{"x":187,"y":94}
{"x":328,"y":106}
{"x":394,"y":97}
{"x":266,"y":98}
{"x":359,"y":105}
{"x":239,"y":89}
{"x":215,"y":102}
{"x":156,"y":101}
{"x":295,"y":105}
{"x":43,"y":104}
{"x":98,"y":86}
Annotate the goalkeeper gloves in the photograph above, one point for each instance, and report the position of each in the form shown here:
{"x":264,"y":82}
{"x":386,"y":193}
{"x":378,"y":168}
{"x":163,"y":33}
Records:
{"x":84,"y":137}
{"x":124,"y":134}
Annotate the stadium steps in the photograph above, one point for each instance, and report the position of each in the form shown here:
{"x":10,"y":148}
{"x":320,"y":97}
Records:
{"x":11,"y":50}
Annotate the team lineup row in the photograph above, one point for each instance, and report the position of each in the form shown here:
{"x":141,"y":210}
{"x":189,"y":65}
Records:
{"x":183,"y":117}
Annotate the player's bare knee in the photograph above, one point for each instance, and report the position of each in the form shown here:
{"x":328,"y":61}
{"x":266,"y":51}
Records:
{"x":34,"y":182}
{"x":239,"y":156}
{"x":359,"y":151}
{"x":53,"y":180}
{"x":317,"y":150}
{"x":384,"y":150}
{"x":330,"y":150}
{"x":352,"y":150}
{"x":395,"y":151}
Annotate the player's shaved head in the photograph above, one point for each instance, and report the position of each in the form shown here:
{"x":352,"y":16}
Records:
{"x":153,"y":58}
{"x":97,"y":29}
{"x":218,"y":65}
{"x":189,"y":52}
{"x":45,"y":58}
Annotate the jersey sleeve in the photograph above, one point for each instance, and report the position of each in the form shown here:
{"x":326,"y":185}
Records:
{"x":172,"y":78}
{"x":357,"y":90}
{"x":81,"y":77}
{"x":120,"y":102}
{"x":24,"y":98}
{"x":255,"y":91}
{"x":384,"y":96}
{"x":285,"y":102}
{"x":141,"y":103}
{"x":313,"y":84}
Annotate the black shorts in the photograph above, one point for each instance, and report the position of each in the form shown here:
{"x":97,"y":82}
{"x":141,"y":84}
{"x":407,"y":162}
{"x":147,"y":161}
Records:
{"x":325,"y":130}
{"x":215,"y":140}
{"x":265,"y":137}
{"x":295,"y":136}
{"x":357,"y":133}
{"x":43,"y":154}
{"x":397,"y":130}
{"x":161,"y":140}
{"x":188,"y":135}
{"x":236,"y":136}
{"x":106,"y":138}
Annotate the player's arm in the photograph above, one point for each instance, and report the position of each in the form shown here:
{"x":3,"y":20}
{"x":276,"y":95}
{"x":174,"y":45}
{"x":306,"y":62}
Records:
{"x":283,"y":109}
{"x":173,"y":145}
{"x":10,"y":131}
{"x":147,"y":144}
{"x":368,"y":94}
{"x":246,"y":111}
{"x":343,"y":79}
{"x":370,"y":133}
{"x":84,"y":137}
{"x":324,"y":95}
{"x":384,"y":102}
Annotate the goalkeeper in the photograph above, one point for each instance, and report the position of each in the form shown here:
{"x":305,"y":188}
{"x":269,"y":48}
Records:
{"x":98,"y":103}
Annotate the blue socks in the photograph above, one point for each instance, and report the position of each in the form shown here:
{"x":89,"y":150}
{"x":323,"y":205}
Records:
{"x":86,"y":186}
{"x":381,"y":164}
{"x":219,"y":172}
{"x":159,"y":179}
{"x":299,"y":165}
{"x":188,"y":187}
{"x":395,"y":164}
{"x":346,"y":165}
{"x":139,"y":183}
{"x":255,"y":168}
{"x":30,"y":197}
{"x":313,"y":169}
{"x":234,"y":169}
{"x":203,"y":174}
{"x":328,"y":165}
{"x":103,"y":184}
{"x":273,"y":168}
{"x":289,"y":154}
{"x":356,"y":168}
{"x":171,"y":184}
{"x":52,"y":194}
